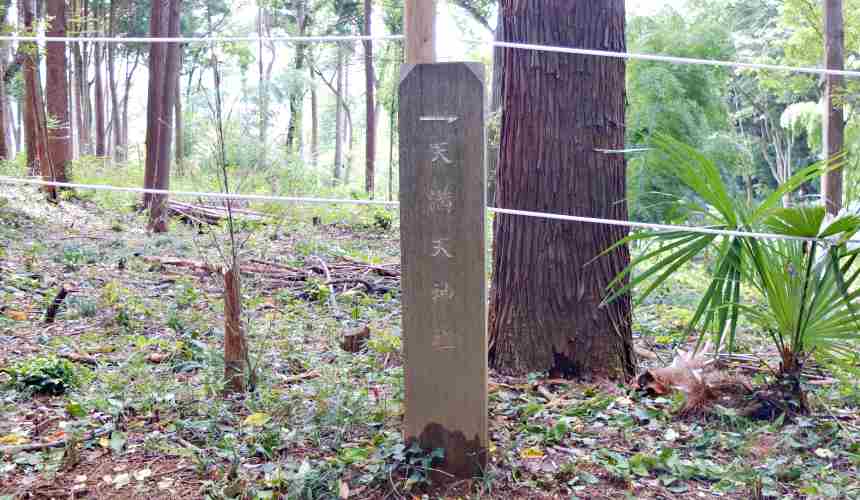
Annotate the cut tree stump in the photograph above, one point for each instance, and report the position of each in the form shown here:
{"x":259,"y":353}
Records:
{"x":356,"y":340}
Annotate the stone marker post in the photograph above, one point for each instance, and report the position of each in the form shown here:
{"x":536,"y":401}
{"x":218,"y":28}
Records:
{"x":442,"y":231}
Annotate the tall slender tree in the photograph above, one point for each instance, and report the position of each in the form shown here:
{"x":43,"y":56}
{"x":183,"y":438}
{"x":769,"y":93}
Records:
{"x":6,"y":143}
{"x":550,"y":277}
{"x":118,"y":150}
{"x":57,"y":92}
{"x":99,"y":89}
{"x":370,"y":83}
{"x":834,"y":114}
{"x":297,"y":93}
{"x":339,"y":119}
{"x":163,"y":66}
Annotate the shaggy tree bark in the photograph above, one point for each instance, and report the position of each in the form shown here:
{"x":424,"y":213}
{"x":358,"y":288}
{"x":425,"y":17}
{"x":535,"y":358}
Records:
{"x":39,"y":161}
{"x":548,"y":278}
{"x":57,"y":92}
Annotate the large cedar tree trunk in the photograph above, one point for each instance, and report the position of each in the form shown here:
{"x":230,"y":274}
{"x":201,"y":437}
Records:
{"x":57,"y":92}
{"x":546,"y":311}
{"x":370,"y":79}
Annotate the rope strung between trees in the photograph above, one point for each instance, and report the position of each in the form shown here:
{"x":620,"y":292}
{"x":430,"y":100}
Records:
{"x":195,"y":194}
{"x":492,"y":43}
{"x":341,"y":201}
{"x":218,"y":39}
{"x":666,"y":59}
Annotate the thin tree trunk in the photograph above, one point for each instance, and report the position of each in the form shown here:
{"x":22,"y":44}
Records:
{"x":158,"y":22}
{"x":5,"y":137}
{"x":344,"y":96}
{"x":17,"y":124}
{"x":495,"y":111}
{"x":80,"y":86}
{"x":179,"y":146}
{"x":99,"y":97}
{"x":370,"y":82}
{"x":294,"y":132}
{"x":338,"y":121}
{"x":119,"y":154}
{"x":264,"y":29}
{"x":549,"y":277}
{"x":6,"y":145}
{"x":315,"y":122}
{"x":127,"y":90}
{"x":392,"y":118}
{"x":157,"y":212}
{"x":38,"y":157}
{"x":56,"y":86}
{"x":834,"y":115}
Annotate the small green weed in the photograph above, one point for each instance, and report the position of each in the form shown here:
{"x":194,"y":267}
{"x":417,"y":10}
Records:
{"x":43,"y":375}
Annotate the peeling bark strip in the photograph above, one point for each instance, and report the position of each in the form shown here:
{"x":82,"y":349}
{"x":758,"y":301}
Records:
{"x":235,"y":349}
{"x":443,"y":262}
{"x":547,"y":293}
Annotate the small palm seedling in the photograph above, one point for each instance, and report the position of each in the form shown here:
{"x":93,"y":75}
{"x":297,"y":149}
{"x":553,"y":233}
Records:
{"x":805,"y":273}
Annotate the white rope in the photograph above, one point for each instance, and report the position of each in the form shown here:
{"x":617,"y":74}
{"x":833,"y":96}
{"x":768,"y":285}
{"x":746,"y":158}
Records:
{"x":505,"y":211}
{"x":196,"y":194}
{"x":668,"y":59}
{"x":222,"y":39}
{"x":655,"y":227}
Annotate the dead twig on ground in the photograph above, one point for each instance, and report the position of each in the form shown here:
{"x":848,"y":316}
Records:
{"x":11,"y":450}
{"x":51,"y":314}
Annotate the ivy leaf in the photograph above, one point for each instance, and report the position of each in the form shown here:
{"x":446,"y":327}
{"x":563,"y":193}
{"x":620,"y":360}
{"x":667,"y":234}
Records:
{"x":257,"y":419}
{"x":13,"y":439}
{"x":531,"y":453}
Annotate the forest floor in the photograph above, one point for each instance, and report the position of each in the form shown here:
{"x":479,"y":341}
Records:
{"x":140,"y":414}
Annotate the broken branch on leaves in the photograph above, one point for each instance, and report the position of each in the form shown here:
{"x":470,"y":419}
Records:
{"x":344,"y":273}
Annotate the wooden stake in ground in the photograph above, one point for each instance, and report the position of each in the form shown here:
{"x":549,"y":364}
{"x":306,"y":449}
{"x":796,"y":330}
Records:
{"x":235,"y":349}
{"x":442,"y":186}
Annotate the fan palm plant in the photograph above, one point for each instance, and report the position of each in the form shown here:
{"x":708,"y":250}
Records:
{"x":805,"y":276}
